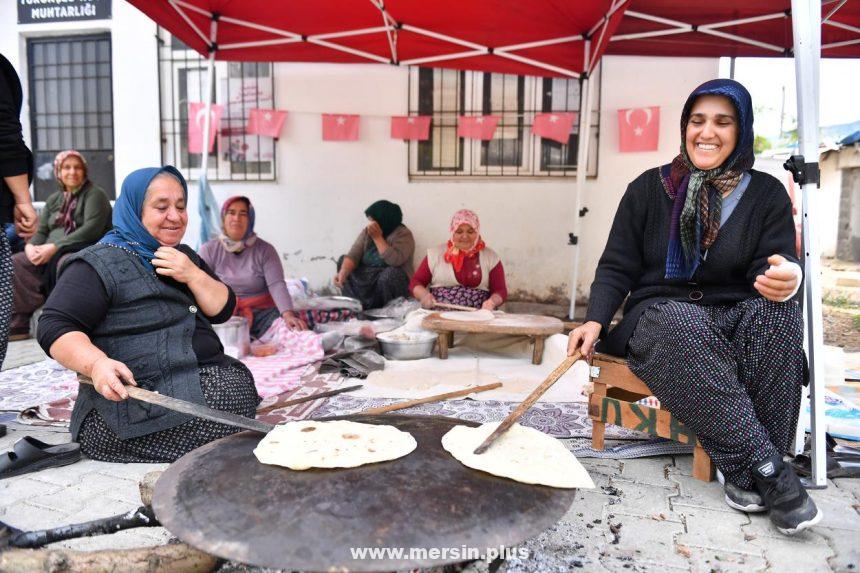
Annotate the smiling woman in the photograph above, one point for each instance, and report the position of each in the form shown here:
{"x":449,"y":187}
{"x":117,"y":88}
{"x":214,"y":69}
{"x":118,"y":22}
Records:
{"x":74,"y":217}
{"x":137,"y":308}
{"x":463,"y":272}
{"x":703,"y":251}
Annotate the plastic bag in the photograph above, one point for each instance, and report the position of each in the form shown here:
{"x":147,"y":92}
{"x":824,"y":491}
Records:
{"x":397,"y":308}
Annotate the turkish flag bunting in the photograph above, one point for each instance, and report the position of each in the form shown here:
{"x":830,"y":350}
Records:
{"x":478,"y":127}
{"x":339,"y":127}
{"x":196,"y":121}
{"x":638,"y":129}
{"x":554,"y":125}
{"x":410,"y":127}
{"x":268,"y":122}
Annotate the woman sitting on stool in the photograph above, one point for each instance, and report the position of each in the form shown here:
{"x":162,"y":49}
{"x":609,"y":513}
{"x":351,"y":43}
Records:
{"x":705,"y":249}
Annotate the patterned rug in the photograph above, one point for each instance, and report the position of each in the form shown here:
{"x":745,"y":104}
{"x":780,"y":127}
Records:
{"x":44,"y":393}
{"x":36,"y":383}
{"x":562,"y":420}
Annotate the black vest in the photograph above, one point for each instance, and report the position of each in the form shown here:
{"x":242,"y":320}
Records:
{"x":148,"y":327}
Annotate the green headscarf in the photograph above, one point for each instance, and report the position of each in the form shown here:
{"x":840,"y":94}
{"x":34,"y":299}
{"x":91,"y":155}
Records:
{"x":387,"y":214}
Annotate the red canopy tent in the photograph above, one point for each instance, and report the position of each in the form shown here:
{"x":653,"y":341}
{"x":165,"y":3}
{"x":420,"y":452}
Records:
{"x":544,"y":38}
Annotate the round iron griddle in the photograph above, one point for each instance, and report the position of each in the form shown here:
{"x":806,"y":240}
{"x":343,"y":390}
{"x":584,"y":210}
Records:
{"x":221,"y":500}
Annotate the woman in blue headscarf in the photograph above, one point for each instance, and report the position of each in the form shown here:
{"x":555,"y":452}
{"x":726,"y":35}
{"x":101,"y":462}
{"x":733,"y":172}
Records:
{"x":137,"y":308}
{"x":705,"y":249}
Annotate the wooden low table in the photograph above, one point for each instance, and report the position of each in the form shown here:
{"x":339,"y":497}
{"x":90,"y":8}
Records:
{"x":536,"y":327}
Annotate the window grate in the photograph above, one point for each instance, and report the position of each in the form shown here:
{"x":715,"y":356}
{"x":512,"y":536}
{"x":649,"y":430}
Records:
{"x":71,"y":107}
{"x":514,"y":151}
{"x":239,"y":87}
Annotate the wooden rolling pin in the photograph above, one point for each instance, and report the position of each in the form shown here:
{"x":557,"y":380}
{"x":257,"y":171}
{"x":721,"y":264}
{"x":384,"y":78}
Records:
{"x":429,"y":399}
{"x":528,"y":402}
{"x":454,"y":306}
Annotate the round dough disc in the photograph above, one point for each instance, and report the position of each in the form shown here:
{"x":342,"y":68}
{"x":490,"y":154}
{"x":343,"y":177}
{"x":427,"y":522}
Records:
{"x":336,"y":444}
{"x":522,"y":454}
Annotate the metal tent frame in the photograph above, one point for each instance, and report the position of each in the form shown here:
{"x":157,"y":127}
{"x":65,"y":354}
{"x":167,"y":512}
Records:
{"x":806,"y":16}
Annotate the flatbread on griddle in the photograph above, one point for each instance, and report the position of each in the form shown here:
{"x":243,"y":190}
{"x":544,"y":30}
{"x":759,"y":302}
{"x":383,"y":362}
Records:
{"x":335,"y":444}
{"x":522,"y":454}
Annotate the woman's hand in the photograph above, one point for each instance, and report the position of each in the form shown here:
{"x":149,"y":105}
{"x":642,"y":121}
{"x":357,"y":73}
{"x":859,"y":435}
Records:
{"x":582,"y":338}
{"x":488,"y":304}
{"x":32,"y":252}
{"x":779,"y":282}
{"x":339,"y":280}
{"x":170,"y":262}
{"x":293,"y":322}
{"x":374,"y":231}
{"x":108,"y":376}
{"x":428,"y":301}
{"x":25,"y":220}
{"x":46,"y":253}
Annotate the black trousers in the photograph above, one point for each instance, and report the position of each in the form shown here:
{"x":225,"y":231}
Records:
{"x":731,"y":373}
{"x":5,"y":294}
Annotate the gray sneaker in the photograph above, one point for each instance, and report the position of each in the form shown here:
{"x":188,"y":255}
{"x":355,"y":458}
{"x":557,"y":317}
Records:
{"x":791,"y":508}
{"x":742,"y":499}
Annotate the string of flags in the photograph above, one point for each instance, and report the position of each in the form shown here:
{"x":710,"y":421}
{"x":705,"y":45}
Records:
{"x":638,"y":127}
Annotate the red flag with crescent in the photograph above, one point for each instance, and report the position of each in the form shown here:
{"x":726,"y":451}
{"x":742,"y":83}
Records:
{"x":196,"y":121}
{"x":410,"y":127}
{"x":638,"y":129}
{"x":481,"y":127}
{"x":266,"y":122}
{"x":554,"y":125}
{"x":340,"y":127}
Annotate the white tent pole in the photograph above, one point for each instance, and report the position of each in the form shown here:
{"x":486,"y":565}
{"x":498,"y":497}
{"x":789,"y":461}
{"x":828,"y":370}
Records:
{"x":210,"y":79}
{"x":581,"y":169}
{"x":806,"y":25}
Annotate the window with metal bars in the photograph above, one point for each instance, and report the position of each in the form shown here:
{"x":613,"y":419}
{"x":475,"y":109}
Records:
{"x":514,"y":151}
{"x":239,"y":87}
{"x":71,"y":107}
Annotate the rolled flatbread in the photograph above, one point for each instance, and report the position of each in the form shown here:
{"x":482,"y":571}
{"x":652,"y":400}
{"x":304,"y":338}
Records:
{"x":336,"y":444}
{"x":482,"y":315}
{"x":522,"y":454}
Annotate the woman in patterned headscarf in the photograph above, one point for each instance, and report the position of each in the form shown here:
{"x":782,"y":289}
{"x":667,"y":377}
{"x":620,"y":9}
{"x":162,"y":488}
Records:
{"x":464,"y":271}
{"x":252,"y":268}
{"x":705,"y":249}
{"x":377,"y":268}
{"x":74,"y":217}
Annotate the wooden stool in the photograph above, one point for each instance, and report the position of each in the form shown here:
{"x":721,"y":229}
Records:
{"x":613,"y":401}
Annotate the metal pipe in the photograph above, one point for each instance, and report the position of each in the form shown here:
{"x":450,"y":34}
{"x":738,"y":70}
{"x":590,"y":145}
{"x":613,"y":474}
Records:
{"x":581,"y":169}
{"x":806,"y":25}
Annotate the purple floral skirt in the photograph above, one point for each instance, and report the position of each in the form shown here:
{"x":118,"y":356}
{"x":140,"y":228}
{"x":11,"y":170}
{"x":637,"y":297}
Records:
{"x":462,"y":295}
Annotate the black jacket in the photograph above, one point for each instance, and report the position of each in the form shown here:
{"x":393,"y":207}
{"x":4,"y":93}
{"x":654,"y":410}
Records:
{"x":15,"y":157}
{"x":634,"y":260}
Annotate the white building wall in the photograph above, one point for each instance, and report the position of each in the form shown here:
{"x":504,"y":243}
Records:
{"x":137,"y":139}
{"x":314,"y":210}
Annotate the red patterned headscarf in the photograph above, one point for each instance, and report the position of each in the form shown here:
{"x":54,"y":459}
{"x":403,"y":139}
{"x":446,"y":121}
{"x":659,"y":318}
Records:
{"x":454,"y":255}
{"x":66,"y":216}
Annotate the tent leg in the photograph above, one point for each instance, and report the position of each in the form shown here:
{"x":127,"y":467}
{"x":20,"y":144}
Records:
{"x":207,"y":124}
{"x":203,"y":183}
{"x":581,"y":170}
{"x":806,"y":24}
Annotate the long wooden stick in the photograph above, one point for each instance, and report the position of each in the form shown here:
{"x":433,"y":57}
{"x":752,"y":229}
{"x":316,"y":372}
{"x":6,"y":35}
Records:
{"x":455,"y":306}
{"x":529,"y":402}
{"x":428,"y":399}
